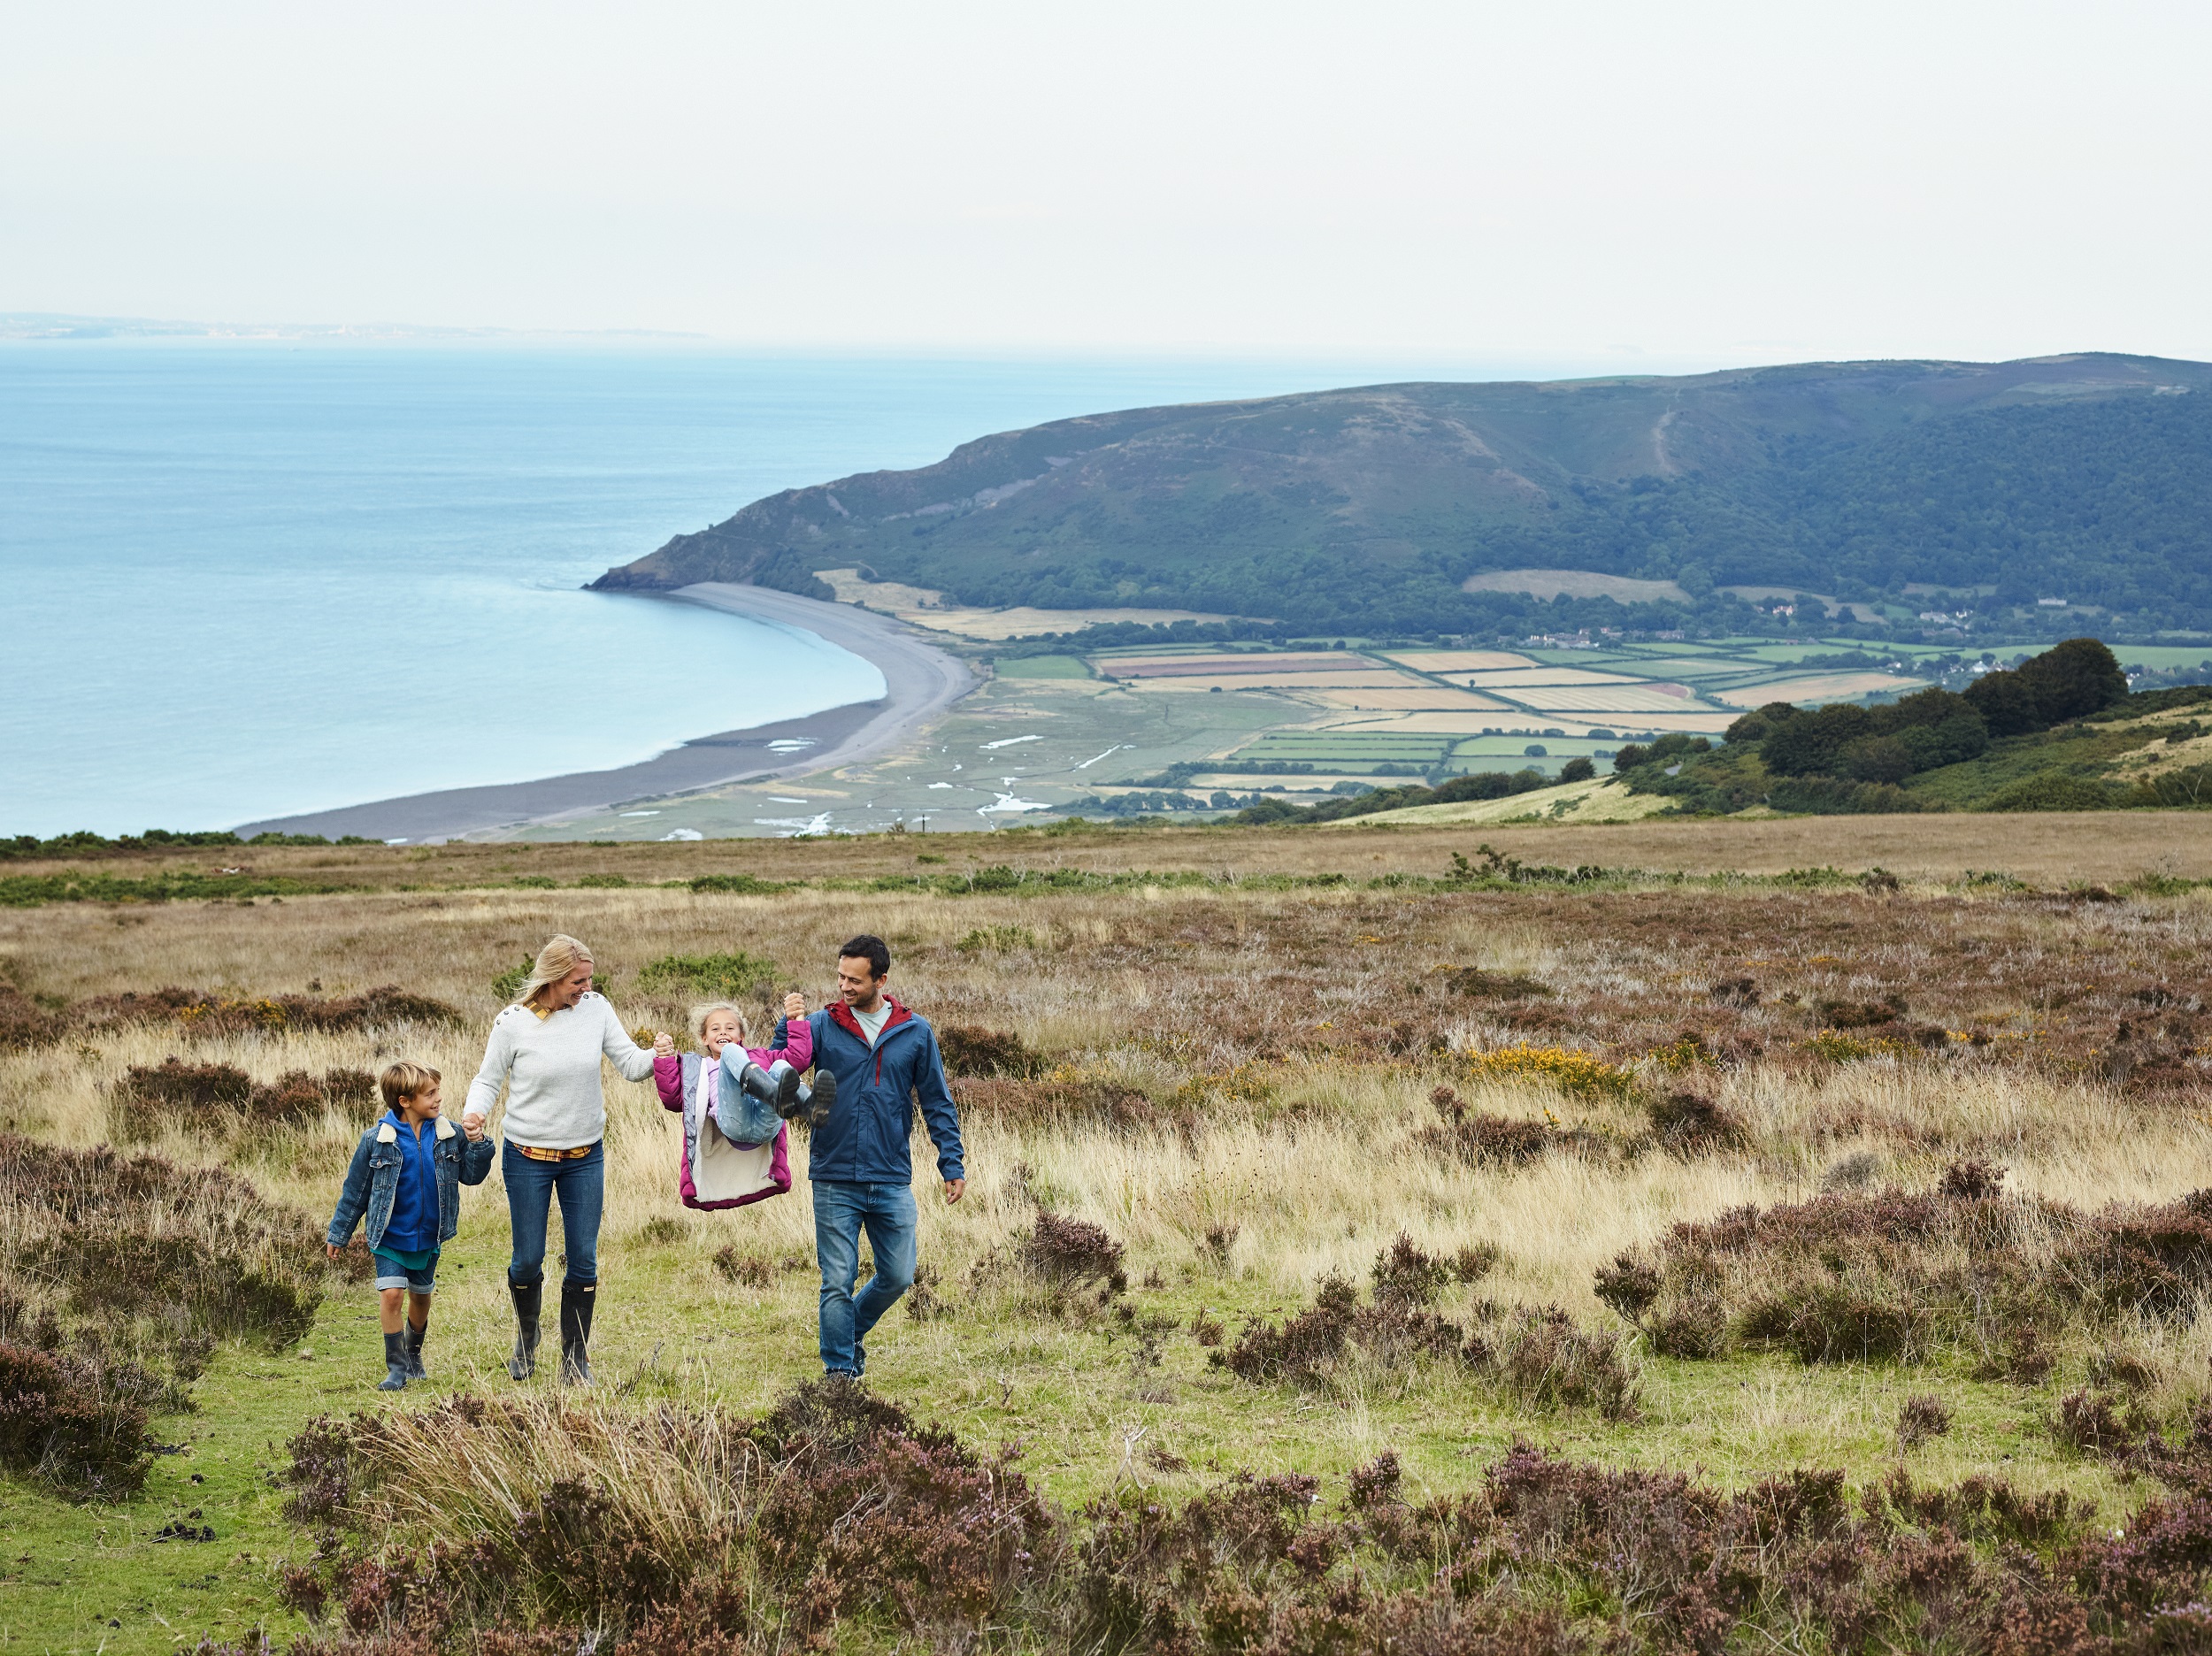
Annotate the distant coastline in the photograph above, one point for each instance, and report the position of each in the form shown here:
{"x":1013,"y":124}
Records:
{"x":920,"y":681}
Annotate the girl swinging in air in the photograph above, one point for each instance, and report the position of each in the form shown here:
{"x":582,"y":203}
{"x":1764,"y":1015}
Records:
{"x":734,"y":1101}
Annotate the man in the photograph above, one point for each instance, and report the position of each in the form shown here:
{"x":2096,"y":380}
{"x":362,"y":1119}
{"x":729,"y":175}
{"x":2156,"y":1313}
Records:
{"x":880,"y":1057}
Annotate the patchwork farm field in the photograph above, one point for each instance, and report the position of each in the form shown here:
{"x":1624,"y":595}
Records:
{"x":1787,"y":1235}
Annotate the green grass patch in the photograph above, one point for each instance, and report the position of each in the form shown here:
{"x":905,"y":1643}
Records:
{"x":1044,"y":667}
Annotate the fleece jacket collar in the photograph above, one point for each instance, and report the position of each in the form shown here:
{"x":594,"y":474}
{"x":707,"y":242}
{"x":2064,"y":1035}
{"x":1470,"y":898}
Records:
{"x":842,"y":1017}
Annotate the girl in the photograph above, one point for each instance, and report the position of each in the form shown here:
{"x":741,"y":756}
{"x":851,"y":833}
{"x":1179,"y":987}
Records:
{"x":732,"y":1102}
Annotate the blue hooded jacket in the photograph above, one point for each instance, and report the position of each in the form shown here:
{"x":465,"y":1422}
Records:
{"x":864,"y":1142}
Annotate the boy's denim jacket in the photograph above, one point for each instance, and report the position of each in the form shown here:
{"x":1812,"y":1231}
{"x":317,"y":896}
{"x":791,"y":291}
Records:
{"x":374,"y":1176}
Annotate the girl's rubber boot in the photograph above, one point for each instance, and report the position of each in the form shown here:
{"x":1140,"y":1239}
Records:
{"x":814,"y":1103}
{"x":417,"y":1333}
{"x":395,"y":1362}
{"x":527,"y":1298}
{"x":776,"y":1086}
{"x":577,"y":1300}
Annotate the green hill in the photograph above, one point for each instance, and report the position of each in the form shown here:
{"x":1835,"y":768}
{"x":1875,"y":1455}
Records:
{"x":2087,"y":478}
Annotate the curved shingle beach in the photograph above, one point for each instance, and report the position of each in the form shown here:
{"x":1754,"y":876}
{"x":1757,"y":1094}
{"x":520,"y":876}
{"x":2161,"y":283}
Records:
{"x":920,"y":681}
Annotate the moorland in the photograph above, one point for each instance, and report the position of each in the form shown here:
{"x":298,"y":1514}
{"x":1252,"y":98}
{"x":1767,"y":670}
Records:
{"x":1667,"y":1235}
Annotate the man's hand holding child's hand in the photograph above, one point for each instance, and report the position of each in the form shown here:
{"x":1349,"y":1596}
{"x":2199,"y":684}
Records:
{"x":795,"y":1005}
{"x":663,"y":1044}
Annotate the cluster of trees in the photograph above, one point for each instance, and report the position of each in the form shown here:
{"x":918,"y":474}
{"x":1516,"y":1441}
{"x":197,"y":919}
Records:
{"x":1846,"y":757}
{"x":85,"y":843}
{"x":1934,"y":727}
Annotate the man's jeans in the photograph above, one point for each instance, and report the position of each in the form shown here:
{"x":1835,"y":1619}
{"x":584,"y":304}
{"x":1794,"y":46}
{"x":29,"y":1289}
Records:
{"x":839,"y":1212}
{"x":531,"y":1184}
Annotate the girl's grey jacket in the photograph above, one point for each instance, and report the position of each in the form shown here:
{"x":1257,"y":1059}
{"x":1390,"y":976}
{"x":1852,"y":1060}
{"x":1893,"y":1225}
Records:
{"x":374,"y":1176}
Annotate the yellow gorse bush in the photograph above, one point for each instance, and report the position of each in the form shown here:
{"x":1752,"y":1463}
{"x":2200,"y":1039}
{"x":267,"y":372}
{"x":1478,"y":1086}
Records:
{"x":1566,"y":1068}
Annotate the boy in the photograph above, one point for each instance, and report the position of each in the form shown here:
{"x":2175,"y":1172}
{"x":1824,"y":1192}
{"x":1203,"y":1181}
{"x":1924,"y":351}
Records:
{"x":408,"y":1187}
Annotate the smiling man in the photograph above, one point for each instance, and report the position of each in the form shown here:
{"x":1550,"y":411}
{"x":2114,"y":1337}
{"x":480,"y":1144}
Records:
{"x":882,"y":1058}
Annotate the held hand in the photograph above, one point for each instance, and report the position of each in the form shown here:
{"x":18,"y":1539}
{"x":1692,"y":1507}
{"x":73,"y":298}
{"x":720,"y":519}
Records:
{"x":473,"y":1123}
{"x":955,"y":1188}
{"x":795,"y":1005}
{"x":663,"y":1044}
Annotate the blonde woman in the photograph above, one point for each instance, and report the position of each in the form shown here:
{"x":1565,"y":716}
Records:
{"x":545,"y":1049}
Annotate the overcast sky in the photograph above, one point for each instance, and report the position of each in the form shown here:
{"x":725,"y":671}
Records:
{"x":1539,"y":182}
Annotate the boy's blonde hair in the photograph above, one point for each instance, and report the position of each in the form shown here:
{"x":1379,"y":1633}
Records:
{"x":407,"y":1079}
{"x":699,"y":1014}
{"x":561,"y":955}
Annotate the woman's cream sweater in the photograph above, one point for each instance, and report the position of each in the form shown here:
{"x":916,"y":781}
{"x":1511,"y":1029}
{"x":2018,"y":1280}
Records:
{"x":551,"y":1066}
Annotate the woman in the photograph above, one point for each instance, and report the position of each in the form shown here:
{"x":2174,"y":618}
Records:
{"x":546,"y":1049}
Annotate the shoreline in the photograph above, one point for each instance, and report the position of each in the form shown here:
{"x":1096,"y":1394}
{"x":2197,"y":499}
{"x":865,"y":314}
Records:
{"x":919,"y":679}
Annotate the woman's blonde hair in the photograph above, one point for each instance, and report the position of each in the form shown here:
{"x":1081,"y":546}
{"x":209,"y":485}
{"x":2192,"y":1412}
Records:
{"x":561,"y":955}
{"x":701,"y":1013}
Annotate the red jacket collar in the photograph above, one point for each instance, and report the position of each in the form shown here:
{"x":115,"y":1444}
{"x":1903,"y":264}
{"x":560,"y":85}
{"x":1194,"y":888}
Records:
{"x":842,"y":1017}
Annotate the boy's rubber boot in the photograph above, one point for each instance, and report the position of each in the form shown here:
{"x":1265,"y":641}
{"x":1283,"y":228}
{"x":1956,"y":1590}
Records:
{"x":395,"y":1362}
{"x":527,"y":1298}
{"x":417,"y":1333}
{"x":577,"y":1300}
{"x":815,"y":1104}
{"x":776,"y":1086}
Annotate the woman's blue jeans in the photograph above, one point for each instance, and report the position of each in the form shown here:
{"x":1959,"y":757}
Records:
{"x":841,"y":1211}
{"x":531,"y":1184}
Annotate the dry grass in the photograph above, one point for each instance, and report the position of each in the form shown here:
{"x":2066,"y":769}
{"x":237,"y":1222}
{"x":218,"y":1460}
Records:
{"x":1235,"y":1083}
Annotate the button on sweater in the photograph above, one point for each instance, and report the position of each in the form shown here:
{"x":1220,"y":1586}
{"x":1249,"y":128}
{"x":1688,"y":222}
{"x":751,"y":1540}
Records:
{"x":550,"y":1066}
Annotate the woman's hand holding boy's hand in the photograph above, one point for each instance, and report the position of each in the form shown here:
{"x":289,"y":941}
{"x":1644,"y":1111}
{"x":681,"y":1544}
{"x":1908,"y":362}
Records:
{"x":473,"y":1126}
{"x":663,"y":1044}
{"x":795,"y":1005}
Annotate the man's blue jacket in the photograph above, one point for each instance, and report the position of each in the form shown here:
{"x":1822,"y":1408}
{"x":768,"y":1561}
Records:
{"x":864,"y":1142}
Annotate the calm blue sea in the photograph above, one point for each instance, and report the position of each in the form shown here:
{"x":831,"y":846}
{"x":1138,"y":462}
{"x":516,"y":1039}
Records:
{"x":247,"y":579}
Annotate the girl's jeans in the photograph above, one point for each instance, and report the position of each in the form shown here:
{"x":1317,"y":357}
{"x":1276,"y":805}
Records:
{"x":582,"y":1184}
{"x":840,"y":1212}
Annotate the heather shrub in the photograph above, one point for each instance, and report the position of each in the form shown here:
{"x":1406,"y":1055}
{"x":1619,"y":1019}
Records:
{"x":1543,"y":1358}
{"x":74,"y":1422}
{"x":834,"y":1523}
{"x":552,"y":1515}
{"x":1893,"y":1276}
{"x":199,"y":1012}
{"x":1065,"y":1099}
{"x":1921,"y":1417}
{"x":1475,"y":1137}
{"x":747,"y":1270}
{"x":134,"y":1265}
{"x":1691,"y":1123}
{"x":225,"y":1098}
{"x":1068,"y":1253}
{"x":969,"y":1049}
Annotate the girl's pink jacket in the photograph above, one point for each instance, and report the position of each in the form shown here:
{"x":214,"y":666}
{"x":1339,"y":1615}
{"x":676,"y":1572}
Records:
{"x":676,"y":1077}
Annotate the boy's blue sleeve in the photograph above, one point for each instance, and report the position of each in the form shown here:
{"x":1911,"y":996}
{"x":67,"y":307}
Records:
{"x":353,"y":1195}
{"x":938,"y":1111}
{"x":476,"y":1158}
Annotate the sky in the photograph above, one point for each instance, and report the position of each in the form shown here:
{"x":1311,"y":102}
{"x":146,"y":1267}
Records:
{"x":1594,"y":184}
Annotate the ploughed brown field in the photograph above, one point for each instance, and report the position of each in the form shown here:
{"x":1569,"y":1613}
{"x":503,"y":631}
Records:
{"x":1692,"y":1236}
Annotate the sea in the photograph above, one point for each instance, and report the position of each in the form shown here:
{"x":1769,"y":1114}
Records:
{"x":242,"y":579}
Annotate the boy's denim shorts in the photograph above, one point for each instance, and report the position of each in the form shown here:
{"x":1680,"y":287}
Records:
{"x":396,"y":1273}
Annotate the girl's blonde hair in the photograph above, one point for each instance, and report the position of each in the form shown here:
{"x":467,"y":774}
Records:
{"x":561,"y":955}
{"x":701,"y":1013}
